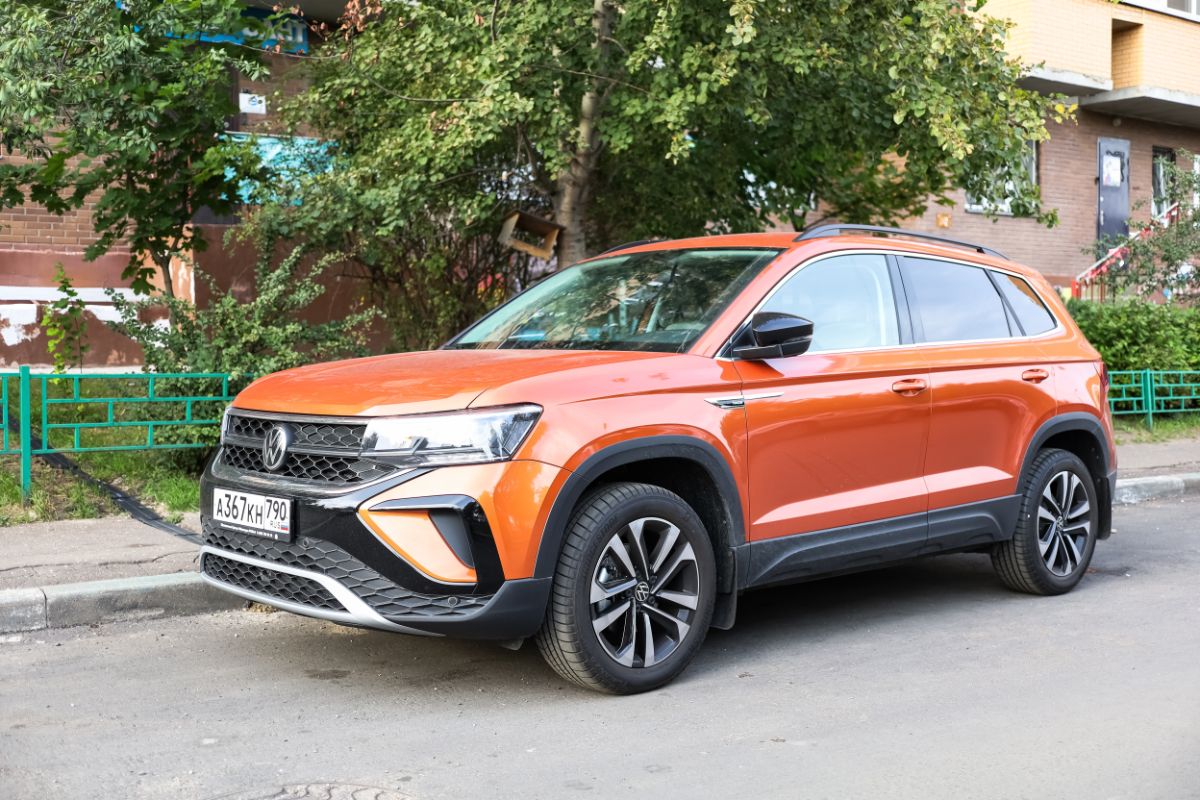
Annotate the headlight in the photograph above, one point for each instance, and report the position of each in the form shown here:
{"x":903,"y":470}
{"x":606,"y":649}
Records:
{"x":460,"y":437}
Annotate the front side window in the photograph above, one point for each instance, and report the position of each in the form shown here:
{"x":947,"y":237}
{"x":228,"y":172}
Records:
{"x":848,"y":298}
{"x":955,"y":302}
{"x":660,"y":301}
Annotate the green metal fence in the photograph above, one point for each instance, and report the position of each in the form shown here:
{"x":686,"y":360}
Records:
{"x":1147,"y":392}
{"x":81,"y":414}
{"x":98,"y":412}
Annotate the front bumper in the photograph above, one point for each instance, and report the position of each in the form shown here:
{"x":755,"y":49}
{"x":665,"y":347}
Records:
{"x":336,"y":569}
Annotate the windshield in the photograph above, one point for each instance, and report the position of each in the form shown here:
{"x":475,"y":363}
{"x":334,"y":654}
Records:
{"x":661,"y":300}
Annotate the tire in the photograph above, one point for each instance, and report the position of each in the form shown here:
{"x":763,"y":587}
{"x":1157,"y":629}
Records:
{"x":1052,"y":545}
{"x":587,"y":638}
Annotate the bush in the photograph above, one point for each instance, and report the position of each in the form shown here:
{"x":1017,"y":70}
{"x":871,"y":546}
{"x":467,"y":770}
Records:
{"x":245,"y":339}
{"x":1133,"y":335}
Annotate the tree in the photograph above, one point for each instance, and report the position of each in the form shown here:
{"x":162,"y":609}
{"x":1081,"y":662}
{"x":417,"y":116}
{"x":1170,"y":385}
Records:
{"x":1162,"y":260}
{"x":650,"y":118}
{"x":120,"y":102}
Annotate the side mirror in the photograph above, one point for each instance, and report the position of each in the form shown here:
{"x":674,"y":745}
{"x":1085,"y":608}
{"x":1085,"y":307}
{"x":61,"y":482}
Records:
{"x":774,"y":335}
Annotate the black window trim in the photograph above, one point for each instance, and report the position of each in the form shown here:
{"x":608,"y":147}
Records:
{"x":1016,"y":330}
{"x":909,"y":312}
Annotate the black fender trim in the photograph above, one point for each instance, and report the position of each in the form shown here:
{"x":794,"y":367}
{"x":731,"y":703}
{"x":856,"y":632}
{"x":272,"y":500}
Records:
{"x":643,"y":449}
{"x":1105,"y":481}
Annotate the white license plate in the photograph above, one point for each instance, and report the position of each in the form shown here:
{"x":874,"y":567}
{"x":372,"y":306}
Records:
{"x":253,"y":513}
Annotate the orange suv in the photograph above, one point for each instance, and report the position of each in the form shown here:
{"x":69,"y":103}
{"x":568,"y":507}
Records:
{"x":608,"y":460}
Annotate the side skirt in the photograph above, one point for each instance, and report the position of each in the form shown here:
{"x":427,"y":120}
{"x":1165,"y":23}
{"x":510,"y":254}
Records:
{"x":852,"y":548}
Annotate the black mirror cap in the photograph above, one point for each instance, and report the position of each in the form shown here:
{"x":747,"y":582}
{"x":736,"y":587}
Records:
{"x":776,"y":335}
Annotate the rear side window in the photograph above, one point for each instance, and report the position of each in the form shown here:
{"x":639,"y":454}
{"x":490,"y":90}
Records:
{"x":955,"y":302}
{"x":1025,"y":303}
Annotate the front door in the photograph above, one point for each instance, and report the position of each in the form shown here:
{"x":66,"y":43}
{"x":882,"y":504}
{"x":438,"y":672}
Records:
{"x":837,"y":435}
{"x":1112,"y":178}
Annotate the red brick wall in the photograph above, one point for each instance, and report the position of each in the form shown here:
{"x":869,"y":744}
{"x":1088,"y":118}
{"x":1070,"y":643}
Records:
{"x":1067,"y":175}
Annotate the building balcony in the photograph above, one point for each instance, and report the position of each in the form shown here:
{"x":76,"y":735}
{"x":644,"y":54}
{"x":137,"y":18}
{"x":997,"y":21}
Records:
{"x":1139,"y":58}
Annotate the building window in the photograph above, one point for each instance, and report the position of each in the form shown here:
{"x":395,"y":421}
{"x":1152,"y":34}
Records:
{"x":1159,"y":201}
{"x":1003,"y":205}
{"x":1186,"y":6}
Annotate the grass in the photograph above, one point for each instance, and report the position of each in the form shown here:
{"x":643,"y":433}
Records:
{"x":1132,"y":429}
{"x":167,"y":480}
{"x":56,"y":495}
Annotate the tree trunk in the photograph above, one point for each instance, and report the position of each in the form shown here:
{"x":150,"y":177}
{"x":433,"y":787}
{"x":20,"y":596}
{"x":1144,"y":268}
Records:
{"x":573,"y":185}
{"x":163,"y":260}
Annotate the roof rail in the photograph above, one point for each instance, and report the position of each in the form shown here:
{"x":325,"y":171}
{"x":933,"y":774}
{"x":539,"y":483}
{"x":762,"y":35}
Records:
{"x":628,"y":245}
{"x":833,"y":230}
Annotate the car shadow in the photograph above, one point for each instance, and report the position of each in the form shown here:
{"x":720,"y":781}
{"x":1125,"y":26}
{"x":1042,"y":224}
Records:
{"x":821,"y":611}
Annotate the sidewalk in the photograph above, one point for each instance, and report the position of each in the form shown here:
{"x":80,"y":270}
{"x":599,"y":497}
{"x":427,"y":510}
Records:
{"x":72,"y":551}
{"x":1158,"y":458}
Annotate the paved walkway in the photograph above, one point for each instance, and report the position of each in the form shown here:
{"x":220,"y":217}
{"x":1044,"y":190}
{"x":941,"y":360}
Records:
{"x":72,"y":551}
{"x":1158,"y":458}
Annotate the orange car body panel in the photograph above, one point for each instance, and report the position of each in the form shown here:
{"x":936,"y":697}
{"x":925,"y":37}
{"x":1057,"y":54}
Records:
{"x":807,"y":467}
{"x":513,"y":494}
{"x":839,"y":447}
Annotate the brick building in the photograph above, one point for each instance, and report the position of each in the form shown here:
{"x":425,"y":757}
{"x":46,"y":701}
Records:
{"x":1134,"y":69}
{"x":1133,"y":66}
{"x":33,"y":242}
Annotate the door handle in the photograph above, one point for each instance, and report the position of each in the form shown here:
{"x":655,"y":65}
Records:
{"x":1035,"y":375}
{"x":910,"y":387}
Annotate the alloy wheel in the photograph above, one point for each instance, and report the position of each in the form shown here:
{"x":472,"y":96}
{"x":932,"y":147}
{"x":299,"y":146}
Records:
{"x":1064,"y":523}
{"x":644,"y":592}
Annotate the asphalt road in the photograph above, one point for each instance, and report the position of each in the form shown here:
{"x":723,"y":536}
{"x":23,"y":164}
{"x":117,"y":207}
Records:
{"x":924,"y":681}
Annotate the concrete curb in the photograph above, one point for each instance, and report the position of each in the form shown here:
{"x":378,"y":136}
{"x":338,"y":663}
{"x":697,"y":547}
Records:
{"x":175,"y":595}
{"x":1156,"y":487}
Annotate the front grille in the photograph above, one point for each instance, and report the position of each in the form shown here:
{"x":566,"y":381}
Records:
{"x":336,"y":460}
{"x":307,"y":466}
{"x":318,"y":555}
{"x":318,"y":434}
{"x":279,"y":585}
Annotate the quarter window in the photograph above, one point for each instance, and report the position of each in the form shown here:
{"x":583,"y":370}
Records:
{"x":1026,"y":305}
{"x":848,"y":298}
{"x":955,"y":302}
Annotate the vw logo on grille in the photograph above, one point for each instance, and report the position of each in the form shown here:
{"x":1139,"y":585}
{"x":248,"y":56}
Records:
{"x":275,"y":447}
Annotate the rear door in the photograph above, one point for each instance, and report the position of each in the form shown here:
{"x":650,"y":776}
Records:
{"x":991,"y":389}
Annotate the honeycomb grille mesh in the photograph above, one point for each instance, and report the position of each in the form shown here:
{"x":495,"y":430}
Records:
{"x":314,"y":434}
{"x":338,"y":470}
{"x":280,"y":585}
{"x":318,"y":555}
{"x":340,"y":467}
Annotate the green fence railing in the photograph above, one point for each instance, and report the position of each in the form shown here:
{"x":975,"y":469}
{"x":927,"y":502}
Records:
{"x":1147,"y":392}
{"x":97,"y":412}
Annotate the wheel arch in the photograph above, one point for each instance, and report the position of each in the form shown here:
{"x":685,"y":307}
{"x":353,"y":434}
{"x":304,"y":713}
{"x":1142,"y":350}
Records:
{"x":687,"y":465}
{"x":1083,"y":435}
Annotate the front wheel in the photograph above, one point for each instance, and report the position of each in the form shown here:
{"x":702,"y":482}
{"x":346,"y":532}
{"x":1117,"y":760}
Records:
{"x":633,"y":591}
{"x":1056,"y":531}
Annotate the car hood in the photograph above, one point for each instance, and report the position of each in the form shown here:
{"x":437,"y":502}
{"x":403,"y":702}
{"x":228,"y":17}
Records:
{"x":414,"y":383}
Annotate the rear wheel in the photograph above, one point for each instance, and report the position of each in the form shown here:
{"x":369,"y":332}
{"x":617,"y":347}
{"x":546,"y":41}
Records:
{"x":633,"y":591}
{"x":1056,"y":531}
